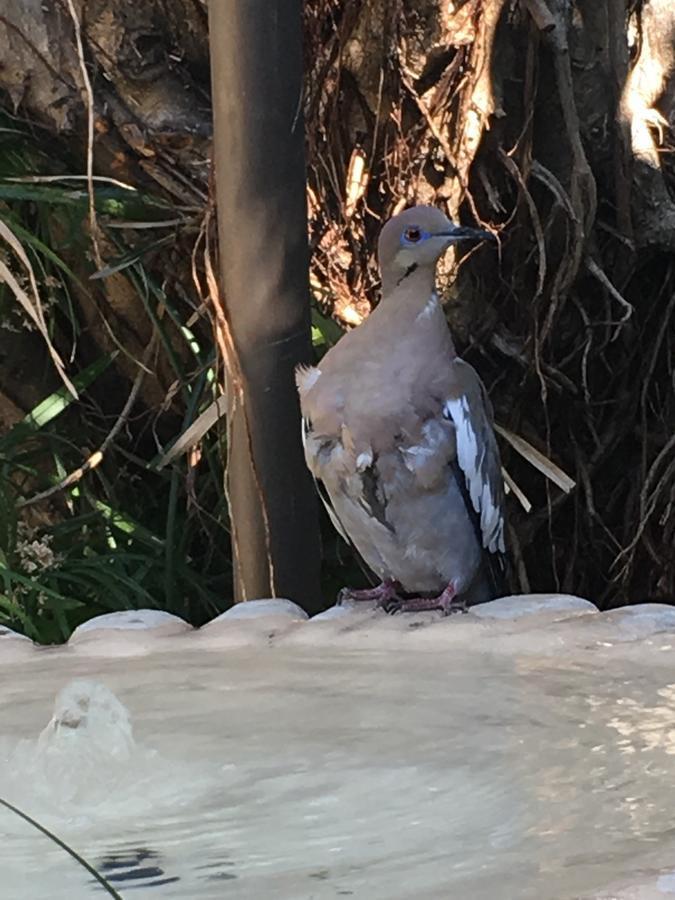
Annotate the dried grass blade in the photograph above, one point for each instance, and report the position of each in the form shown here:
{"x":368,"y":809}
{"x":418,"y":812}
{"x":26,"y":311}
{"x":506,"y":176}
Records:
{"x":537,"y":459}
{"x":32,"y":307}
{"x":512,"y":487}
{"x":193,"y":435}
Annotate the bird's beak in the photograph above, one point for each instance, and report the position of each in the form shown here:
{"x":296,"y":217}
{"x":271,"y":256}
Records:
{"x":460,"y":233}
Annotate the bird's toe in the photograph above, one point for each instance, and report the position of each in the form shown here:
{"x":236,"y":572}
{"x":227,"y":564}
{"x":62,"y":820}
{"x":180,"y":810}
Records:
{"x":392,"y":605}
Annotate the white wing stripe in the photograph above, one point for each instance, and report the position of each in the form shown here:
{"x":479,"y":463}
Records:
{"x":471,"y":459}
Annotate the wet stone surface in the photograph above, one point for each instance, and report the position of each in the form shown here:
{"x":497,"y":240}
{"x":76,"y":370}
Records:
{"x":525,"y":749}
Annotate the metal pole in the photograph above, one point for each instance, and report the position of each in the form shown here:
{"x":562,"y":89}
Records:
{"x":256,"y":69}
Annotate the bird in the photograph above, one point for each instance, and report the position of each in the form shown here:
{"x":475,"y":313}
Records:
{"x":398,"y":434}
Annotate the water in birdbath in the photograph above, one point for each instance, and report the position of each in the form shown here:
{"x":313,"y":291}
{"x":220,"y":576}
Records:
{"x":363,"y":769}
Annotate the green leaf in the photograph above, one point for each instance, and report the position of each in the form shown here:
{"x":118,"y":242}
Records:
{"x":36,"y":193}
{"x":13,"y":612}
{"x":128,"y":526}
{"x":29,"y":238}
{"x":324,"y":330}
{"x":55,"y":403}
{"x":7,"y":519}
{"x":129,"y":259}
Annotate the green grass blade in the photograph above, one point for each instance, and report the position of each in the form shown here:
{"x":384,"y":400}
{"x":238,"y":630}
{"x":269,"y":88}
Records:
{"x":55,"y":403}
{"x":62,"y":844}
{"x":11,"y":611}
{"x":128,"y":526}
{"x":61,"y":602}
{"x":29,"y":238}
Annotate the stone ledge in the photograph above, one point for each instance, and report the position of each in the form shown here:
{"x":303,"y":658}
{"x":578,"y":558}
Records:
{"x":132,"y":620}
{"x":542,"y":624}
{"x":516,"y":606}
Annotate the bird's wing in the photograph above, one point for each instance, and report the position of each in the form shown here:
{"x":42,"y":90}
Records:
{"x":320,"y":489}
{"x":469,"y":409}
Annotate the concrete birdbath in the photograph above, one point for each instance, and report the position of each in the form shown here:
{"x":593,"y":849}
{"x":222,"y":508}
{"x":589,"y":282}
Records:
{"x":525,"y":750}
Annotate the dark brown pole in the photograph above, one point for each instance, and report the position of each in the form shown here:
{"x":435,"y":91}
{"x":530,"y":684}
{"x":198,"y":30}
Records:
{"x":256,"y":70}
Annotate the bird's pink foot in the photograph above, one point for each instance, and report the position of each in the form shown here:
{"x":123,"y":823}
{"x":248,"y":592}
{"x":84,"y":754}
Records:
{"x":448,"y":602}
{"x":382,"y":594}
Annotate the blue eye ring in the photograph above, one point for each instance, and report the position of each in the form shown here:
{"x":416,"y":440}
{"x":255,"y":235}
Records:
{"x":413,"y":234}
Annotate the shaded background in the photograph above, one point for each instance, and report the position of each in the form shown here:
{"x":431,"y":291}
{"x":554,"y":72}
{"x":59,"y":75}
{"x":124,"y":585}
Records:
{"x":548,"y":121}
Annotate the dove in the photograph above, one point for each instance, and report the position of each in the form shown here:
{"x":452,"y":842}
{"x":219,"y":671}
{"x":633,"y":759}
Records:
{"x":398,"y":434}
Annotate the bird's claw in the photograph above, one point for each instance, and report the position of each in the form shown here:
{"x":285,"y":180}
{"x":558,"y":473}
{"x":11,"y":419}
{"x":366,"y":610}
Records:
{"x":343,"y":596}
{"x":386,"y":597}
{"x":392,"y":606}
{"x":447,"y":602}
{"x":456,"y":605}
{"x":381,"y":594}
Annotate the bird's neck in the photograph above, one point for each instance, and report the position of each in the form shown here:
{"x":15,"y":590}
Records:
{"x":415,"y":280}
{"x":411,"y":292}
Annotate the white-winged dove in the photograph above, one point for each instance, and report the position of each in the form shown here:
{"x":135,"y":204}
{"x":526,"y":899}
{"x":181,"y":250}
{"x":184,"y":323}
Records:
{"x":398,"y":435}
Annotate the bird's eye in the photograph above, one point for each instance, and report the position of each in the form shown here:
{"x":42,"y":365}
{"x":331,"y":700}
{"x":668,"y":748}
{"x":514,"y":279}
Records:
{"x":412,"y":234}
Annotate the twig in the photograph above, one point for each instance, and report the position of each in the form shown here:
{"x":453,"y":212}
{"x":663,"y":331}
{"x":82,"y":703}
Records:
{"x":428,"y":118}
{"x":48,"y":179}
{"x":543,"y":174}
{"x":517,"y":556}
{"x":93,"y":224}
{"x":598,"y":273}
{"x":515,"y":172}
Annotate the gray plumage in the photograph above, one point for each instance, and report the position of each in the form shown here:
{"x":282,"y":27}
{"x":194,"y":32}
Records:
{"x":398,"y":430}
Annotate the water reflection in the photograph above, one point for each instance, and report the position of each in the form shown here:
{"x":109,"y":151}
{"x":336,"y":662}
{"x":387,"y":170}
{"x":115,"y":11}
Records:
{"x":379,"y":775}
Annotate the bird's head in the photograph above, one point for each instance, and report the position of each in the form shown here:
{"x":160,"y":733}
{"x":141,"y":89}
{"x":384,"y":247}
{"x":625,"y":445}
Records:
{"x":417,"y":238}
